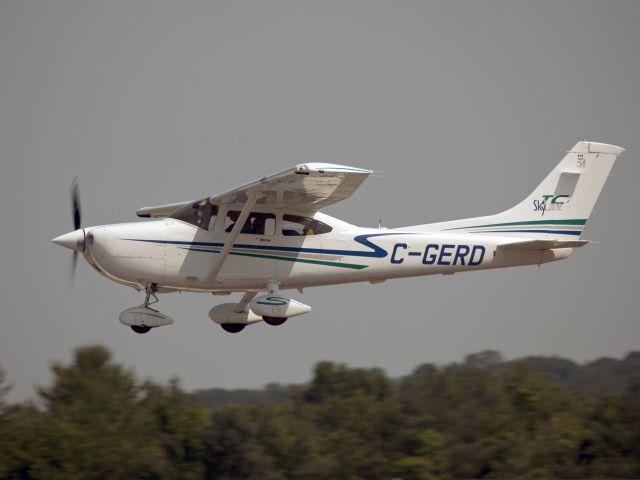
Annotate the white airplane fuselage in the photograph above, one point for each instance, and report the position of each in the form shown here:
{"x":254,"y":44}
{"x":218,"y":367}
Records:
{"x":178,"y":256}
{"x":268,"y":236}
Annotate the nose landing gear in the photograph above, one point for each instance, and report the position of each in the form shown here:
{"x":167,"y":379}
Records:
{"x":151,"y":290}
{"x":143,"y":318}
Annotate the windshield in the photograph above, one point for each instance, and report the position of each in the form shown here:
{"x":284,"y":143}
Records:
{"x":201,"y":214}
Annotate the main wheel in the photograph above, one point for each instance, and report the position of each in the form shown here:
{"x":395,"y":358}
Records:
{"x":233,"y":327}
{"x":274,"y":320}
{"x":140,"y":328}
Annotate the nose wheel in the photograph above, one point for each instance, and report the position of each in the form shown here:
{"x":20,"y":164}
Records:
{"x":143,"y":318}
{"x":140,"y":328}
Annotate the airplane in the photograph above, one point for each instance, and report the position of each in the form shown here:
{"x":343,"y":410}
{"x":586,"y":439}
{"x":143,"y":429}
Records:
{"x":269,"y":235}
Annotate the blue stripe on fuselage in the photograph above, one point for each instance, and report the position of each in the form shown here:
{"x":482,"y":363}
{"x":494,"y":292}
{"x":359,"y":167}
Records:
{"x":377,"y":252}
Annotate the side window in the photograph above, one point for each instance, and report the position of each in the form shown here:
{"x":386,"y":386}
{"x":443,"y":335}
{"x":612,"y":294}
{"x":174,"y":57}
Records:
{"x":201,"y":214}
{"x":295,"y":225}
{"x":258,"y":223}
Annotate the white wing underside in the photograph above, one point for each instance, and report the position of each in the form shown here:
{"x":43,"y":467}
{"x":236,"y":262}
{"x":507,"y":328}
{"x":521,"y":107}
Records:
{"x":309,"y":187}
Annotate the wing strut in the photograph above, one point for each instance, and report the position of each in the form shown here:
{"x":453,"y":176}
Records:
{"x":235,"y":231}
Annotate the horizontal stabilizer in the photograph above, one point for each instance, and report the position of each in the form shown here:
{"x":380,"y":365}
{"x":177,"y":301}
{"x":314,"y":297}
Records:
{"x":542,"y":244}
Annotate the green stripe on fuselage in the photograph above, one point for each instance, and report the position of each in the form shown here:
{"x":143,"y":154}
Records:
{"x":530,"y":222}
{"x":287,"y":259}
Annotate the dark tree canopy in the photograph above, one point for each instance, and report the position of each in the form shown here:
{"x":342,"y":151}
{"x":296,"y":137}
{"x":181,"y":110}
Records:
{"x":538,"y":417}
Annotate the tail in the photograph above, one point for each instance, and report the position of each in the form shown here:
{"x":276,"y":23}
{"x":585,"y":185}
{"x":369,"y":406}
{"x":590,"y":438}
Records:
{"x":559,"y":207}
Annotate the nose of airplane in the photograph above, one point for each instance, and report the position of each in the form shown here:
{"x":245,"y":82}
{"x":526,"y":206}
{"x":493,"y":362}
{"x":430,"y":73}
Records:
{"x":73,"y":240}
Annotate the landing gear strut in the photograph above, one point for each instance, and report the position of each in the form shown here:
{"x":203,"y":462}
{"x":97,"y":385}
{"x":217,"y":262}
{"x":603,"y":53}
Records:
{"x":151,"y":290}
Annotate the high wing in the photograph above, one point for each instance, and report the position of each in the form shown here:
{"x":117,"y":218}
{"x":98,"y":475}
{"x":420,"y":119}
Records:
{"x":308,"y":186}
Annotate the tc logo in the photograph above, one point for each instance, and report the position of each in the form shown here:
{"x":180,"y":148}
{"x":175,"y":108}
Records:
{"x":550,"y":203}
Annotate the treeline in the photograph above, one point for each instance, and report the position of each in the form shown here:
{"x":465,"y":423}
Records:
{"x":484,"y":418}
{"x":602,"y":376}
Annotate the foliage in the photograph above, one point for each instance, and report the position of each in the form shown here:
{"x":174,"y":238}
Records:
{"x":483,"y":418}
{"x":220,"y":397}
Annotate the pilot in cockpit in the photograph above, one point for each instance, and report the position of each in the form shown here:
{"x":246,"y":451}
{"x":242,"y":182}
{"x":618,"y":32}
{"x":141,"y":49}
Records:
{"x":258,"y":224}
{"x":233,"y":216}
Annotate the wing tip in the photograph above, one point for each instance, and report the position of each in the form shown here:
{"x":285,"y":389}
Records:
{"x":306,"y":168}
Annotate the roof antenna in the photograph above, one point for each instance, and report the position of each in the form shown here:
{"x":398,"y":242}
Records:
{"x":380,"y":224}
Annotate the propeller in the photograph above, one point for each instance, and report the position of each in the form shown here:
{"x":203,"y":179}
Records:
{"x":74,"y":240}
{"x":77,"y":221}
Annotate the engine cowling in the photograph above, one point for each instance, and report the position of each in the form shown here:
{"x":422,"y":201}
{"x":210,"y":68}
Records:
{"x":273,"y":305}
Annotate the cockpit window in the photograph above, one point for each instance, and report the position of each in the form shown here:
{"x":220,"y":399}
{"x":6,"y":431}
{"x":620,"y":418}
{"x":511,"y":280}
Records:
{"x":201,"y":214}
{"x":295,"y":225}
{"x":257,"y":223}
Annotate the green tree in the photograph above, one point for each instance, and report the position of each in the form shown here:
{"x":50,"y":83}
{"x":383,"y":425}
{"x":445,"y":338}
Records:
{"x":179,"y":420}
{"x":484,"y":418}
{"x":4,"y":389}
{"x":233,"y":443}
{"x":428,"y":459}
{"x":92,"y":426}
{"x":354,"y":412}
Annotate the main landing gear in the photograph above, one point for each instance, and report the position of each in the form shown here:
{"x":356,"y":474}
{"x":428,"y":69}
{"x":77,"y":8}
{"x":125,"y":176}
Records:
{"x":233,"y":327}
{"x":275,"y":321}
{"x":273,"y":308}
{"x":234,"y":317}
{"x":272,"y":289}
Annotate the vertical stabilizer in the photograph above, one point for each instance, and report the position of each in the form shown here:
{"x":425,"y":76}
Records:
{"x":560,"y":206}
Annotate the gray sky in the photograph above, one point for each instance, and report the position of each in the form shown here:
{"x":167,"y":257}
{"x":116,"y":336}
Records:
{"x":465,"y":107}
